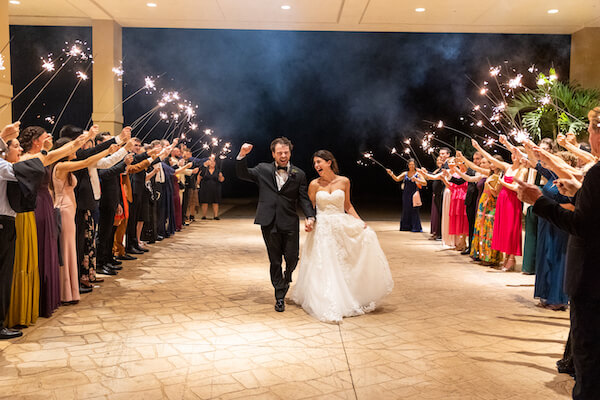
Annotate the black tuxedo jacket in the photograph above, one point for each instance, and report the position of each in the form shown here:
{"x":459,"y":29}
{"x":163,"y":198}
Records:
{"x":582,"y":280}
{"x":110,"y":183}
{"x":83,"y":191}
{"x":277,"y":206}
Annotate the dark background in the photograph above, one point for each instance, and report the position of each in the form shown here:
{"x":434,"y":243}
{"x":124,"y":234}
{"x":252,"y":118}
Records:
{"x":343,"y":91}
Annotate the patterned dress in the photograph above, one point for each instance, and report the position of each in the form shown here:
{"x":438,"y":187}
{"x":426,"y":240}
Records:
{"x":481,"y":247}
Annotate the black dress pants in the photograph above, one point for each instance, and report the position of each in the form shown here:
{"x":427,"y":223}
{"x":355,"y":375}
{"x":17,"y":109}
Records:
{"x":8,"y":238}
{"x":134,"y":210}
{"x":585,"y":342}
{"x":185,"y":203}
{"x":471,"y":210}
{"x":105,"y":235}
{"x":286,"y":245}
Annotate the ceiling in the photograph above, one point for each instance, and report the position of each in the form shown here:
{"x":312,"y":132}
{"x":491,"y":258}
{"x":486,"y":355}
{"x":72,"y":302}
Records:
{"x":494,"y":16}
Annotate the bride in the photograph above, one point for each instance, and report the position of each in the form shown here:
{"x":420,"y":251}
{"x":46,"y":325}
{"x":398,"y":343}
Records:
{"x":343,"y":271}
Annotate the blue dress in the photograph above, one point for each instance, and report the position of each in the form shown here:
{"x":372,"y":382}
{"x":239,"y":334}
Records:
{"x":551,"y":250}
{"x":411,"y":221}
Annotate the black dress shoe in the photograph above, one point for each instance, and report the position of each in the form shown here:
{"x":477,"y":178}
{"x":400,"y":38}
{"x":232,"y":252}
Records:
{"x":159,"y":238}
{"x":102,"y":270}
{"x":216,"y":218}
{"x":6,"y":333}
{"x":83,"y":289}
{"x":142,"y":249}
{"x":113,"y":267}
{"x":466,"y":252}
{"x":280,"y":305}
{"x":114,"y":261}
{"x":134,"y":250}
{"x":126,"y":257}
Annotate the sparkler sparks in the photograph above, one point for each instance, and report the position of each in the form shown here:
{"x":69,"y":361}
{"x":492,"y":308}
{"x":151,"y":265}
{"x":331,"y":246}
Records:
{"x":81,"y":75}
{"x":48,"y":65}
{"x":495,"y":71}
{"x":118,"y":71}
{"x":2,"y":67}
{"x":149,"y":83}
{"x":440,"y":124}
{"x":50,"y":119}
{"x":515,"y":82}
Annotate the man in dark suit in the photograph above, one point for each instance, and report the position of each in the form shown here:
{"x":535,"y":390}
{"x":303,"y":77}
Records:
{"x":280,"y":187}
{"x":582,"y":276}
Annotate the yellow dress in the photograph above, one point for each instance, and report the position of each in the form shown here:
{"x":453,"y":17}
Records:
{"x":25,"y":294}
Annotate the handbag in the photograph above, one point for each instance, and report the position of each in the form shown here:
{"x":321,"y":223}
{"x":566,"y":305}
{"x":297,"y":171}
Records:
{"x":416,"y":199}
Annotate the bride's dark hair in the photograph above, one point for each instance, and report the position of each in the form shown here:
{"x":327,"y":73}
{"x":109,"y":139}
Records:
{"x":327,"y":156}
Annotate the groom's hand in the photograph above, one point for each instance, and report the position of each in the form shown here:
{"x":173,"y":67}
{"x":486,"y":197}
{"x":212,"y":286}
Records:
{"x":309,"y":224}
{"x":246,"y":148}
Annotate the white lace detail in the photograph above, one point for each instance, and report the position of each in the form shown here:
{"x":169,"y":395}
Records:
{"x":342,"y":271}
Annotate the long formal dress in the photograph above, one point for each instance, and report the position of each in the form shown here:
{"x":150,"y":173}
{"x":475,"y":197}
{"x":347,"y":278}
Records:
{"x":481,"y":248}
{"x":342,"y":272}
{"x":48,"y":264}
{"x":531,"y":231}
{"x":437,"y":189}
{"x":411,"y":221}
{"x":25,"y":292}
{"x":458,"y":224}
{"x":551,"y":250}
{"x":176,"y":204}
{"x":507,"y":223}
{"x":64,"y":199}
{"x":448,"y":240}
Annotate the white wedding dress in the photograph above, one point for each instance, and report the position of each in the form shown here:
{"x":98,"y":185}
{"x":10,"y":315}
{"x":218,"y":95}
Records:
{"x":342,"y":270}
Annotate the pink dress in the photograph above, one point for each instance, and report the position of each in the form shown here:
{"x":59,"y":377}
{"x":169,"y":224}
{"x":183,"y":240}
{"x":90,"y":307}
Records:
{"x":64,"y":199}
{"x":507,"y":222}
{"x":459,"y":224}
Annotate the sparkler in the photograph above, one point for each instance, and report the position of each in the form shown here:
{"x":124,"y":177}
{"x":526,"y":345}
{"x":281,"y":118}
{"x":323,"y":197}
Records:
{"x":82,"y":77}
{"x":118,"y":71}
{"x":407,"y":141}
{"x":369,"y":156}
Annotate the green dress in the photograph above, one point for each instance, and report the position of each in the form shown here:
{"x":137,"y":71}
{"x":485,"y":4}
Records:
{"x":530,"y":245}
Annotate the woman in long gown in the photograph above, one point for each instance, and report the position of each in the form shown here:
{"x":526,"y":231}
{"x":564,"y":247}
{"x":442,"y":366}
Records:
{"x":63,"y":184}
{"x":411,"y":182}
{"x":507,"y":221}
{"x":32,"y":141}
{"x":342,"y":271}
{"x":458,"y":224}
{"x":448,"y":241}
{"x":481,"y":247}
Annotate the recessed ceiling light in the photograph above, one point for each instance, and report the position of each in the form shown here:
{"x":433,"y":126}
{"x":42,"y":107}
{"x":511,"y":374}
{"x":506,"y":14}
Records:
{"x":286,"y":7}
{"x":14,"y":2}
{"x":420,"y":9}
{"x":151,"y":4}
{"x":553,"y":11}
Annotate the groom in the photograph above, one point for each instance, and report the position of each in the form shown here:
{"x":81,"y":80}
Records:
{"x":280,"y":187}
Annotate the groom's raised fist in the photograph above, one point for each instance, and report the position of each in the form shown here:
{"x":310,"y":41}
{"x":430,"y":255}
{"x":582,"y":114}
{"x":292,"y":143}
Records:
{"x":246,"y":148}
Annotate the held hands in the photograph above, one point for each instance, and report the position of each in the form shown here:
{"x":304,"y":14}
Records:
{"x":571,"y":138}
{"x":47,"y":144}
{"x":561,"y":139}
{"x":475,"y":144}
{"x":10,"y":131}
{"x":502,"y":139}
{"x":245,"y":149}
{"x":309,"y":223}
{"x":94,"y":130}
{"x":128,"y":159}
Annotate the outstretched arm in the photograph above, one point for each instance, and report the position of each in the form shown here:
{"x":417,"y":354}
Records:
{"x":497,"y":163}
{"x":70,"y":166}
{"x":241,"y":165}
{"x":583,"y":155}
{"x":397,"y":178}
{"x":472,"y":165}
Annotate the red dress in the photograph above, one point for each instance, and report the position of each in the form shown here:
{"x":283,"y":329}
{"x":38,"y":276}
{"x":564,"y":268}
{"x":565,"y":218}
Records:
{"x":507,"y":222}
{"x":459,"y":224}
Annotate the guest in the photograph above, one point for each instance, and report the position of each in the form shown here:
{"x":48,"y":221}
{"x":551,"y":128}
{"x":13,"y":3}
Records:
{"x":411,"y":197}
{"x":211,"y":179}
{"x":63,"y":186}
{"x":582,"y":266}
{"x":507,"y":222}
{"x":481,"y":246}
{"x":458,"y":223}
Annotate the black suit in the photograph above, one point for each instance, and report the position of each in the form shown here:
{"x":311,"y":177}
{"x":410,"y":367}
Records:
{"x":277,"y":215}
{"x":110,"y":184}
{"x":582,"y":278}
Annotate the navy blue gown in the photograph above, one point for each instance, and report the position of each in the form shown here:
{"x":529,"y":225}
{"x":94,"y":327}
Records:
{"x":410,"y":221}
{"x":551,"y":250}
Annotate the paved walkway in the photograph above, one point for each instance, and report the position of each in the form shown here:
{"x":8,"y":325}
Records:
{"x":194,"y":319}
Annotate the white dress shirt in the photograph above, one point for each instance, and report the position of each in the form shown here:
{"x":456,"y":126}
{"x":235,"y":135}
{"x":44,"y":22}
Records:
{"x":104,"y":163}
{"x":6,"y":174}
{"x":281,"y":175}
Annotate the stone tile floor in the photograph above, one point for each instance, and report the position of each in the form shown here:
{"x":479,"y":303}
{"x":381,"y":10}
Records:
{"x":194,"y":319}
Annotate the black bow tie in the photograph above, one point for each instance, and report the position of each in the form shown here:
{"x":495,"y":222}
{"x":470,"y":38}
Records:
{"x":283,"y":168}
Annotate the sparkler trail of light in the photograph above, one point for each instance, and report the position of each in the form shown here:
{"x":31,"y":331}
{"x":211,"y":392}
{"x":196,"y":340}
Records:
{"x":7,"y":43}
{"x":82,"y":77}
{"x":168,"y":129}
{"x":143,"y":117}
{"x":407,"y":141}
{"x":452,"y":129}
{"x":445,"y":143}
{"x":151,"y":129}
{"x":369,"y":156}
{"x":44,"y":87}
{"x":147,"y":120}
{"x":395,"y":152}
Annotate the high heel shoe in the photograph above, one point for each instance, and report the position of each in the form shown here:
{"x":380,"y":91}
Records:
{"x":509,"y":265}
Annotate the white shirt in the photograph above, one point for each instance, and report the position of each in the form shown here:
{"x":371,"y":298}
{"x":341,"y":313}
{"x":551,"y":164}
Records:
{"x":6,"y":174}
{"x":104,"y":163}
{"x":281,"y":175}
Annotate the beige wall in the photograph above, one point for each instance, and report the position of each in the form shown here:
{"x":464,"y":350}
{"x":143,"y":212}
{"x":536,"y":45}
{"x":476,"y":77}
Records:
{"x":6,"y":90}
{"x":107,"y":89}
{"x":585,"y":57}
